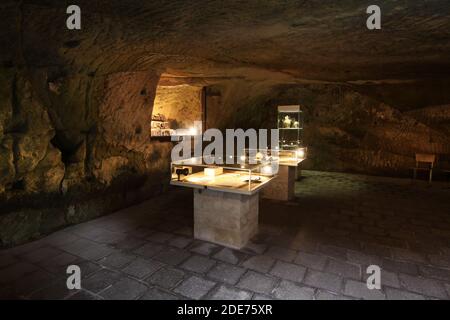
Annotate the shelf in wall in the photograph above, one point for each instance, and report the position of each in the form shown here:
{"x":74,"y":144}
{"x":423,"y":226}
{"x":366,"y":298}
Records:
{"x":160,"y":138}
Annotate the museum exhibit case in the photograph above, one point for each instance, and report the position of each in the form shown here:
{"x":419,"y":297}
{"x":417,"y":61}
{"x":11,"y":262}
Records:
{"x":290,"y":126}
{"x":226,"y":197}
{"x":290,"y":153}
{"x":246,"y":177}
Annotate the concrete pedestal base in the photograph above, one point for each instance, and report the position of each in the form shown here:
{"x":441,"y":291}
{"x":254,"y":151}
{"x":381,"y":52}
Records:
{"x":283,"y":186}
{"x":298,"y":173}
{"x":228,"y":219}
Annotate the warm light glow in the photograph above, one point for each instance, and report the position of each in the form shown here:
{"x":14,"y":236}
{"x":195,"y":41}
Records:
{"x":301,"y":153}
{"x":243,"y":158}
{"x":192,"y":131}
{"x":212,"y":172}
{"x":266,"y":170}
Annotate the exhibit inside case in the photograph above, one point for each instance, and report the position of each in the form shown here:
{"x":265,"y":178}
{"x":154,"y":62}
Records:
{"x":246,"y":176}
{"x":281,"y":157}
{"x":290,"y":126}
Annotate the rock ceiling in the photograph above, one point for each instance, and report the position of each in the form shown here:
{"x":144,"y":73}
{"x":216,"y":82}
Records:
{"x":287,"y":41}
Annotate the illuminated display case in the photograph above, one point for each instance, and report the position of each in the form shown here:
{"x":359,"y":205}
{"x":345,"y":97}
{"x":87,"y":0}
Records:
{"x":280,"y":157}
{"x":290,"y":125}
{"x":160,"y":126}
{"x":247,"y":177}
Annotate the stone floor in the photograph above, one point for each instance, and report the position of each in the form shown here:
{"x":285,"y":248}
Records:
{"x":316,"y":247}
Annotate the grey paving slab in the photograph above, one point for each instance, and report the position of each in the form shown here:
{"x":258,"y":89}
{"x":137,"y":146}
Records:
{"x":287,"y":290}
{"x":257,"y":282}
{"x":124,"y":289}
{"x":259,"y":263}
{"x":229,"y":256}
{"x":158,"y":294}
{"x":141,"y":268}
{"x":311,"y":260}
{"x":117,"y":259}
{"x":288,"y":271}
{"x":429,"y":287}
{"x":166,"y":277}
{"x":100,"y":280}
{"x":194,"y":287}
{"x":226,"y":273}
{"x":172,"y":256}
{"x":360,"y":290}
{"x":230,"y":293}
{"x":280,"y":253}
{"x":323,"y":280}
{"x":198,"y":264}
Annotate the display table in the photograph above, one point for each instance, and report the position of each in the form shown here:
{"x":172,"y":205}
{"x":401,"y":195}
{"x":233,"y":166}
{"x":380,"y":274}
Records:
{"x":225,"y":218}
{"x":226,"y":199}
{"x":283,"y":185}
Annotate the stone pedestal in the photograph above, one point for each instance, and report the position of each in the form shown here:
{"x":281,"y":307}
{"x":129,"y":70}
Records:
{"x":283,"y":186}
{"x":298,"y":173}
{"x":225,"y":218}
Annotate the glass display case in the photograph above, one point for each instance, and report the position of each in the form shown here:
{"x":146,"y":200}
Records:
{"x":160,"y":126}
{"x":244,"y":176}
{"x":280,"y":157}
{"x":290,"y":125}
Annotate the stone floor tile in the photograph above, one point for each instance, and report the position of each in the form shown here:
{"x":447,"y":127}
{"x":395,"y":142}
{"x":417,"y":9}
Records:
{"x":396,"y":294}
{"x":158,"y":294}
{"x":56,"y":290}
{"x":344,"y":269}
{"x":318,"y":279}
{"x":16,"y":271}
{"x":84,"y":295}
{"x":172,"y":256}
{"x":257,"y":282}
{"x":226,"y":273}
{"x":148,"y":250}
{"x":325,"y":295}
{"x":230,"y":293}
{"x":117,"y":259}
{"x":229,"y":256}
{"x":400,"y":267}
{"x":129,"y":243}
{"x":100,"y":280}
{"x":311,"y":260}
{"x":198,"y":264}
{"x":159,"y":237}
{"x":180,"y":242}
{"x":141,"y":268}
{"x":194,"y":287}
{"x":124,"y":289}
{"x":428,"y":287}
{"x":43,"y":253}
{"x":205,"y":248}
{"x":259,"y":263}
{"x":359,"y":290}
{"x":287,"y":290}
{"x":288,"y":271}
{"x":283,"y":254}
{"x":166,"y":277}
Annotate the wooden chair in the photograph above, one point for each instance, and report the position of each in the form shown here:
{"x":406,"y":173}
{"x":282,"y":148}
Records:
{"x":425,"y":162}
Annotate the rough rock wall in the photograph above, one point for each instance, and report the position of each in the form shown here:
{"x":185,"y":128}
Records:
{"x":74,"y":144}
{"x":345,"y":130}
{"x":181,"y":104}
{"x":65,"y":161}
